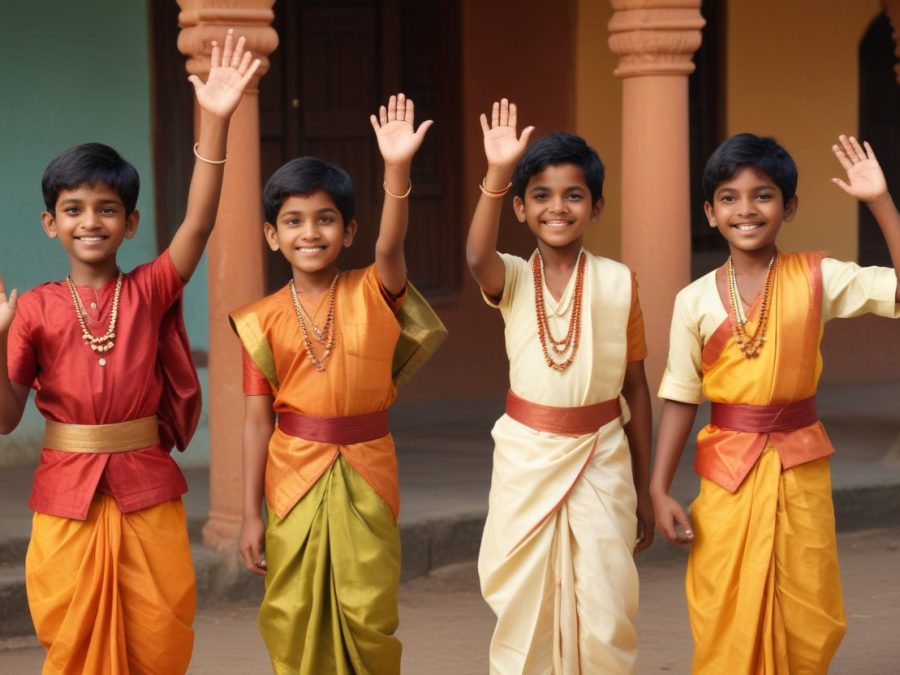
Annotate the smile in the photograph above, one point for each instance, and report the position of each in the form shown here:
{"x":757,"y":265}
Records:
{"x":310,"y":249}
{"x":747,"y":227}
{"x":90,"y":240}
{"x":557,"y":223}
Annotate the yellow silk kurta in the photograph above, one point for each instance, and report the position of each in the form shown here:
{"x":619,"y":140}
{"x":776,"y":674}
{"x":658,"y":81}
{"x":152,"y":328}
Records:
{"x":763,"y":583}
{"x":556,"y":561}
{"x":332,"y":545}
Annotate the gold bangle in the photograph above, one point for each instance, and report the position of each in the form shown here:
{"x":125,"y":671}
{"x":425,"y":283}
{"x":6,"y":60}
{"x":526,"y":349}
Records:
{"x":493,"y":193}
{"x":403,"y":196}
{"x":207,"y":160}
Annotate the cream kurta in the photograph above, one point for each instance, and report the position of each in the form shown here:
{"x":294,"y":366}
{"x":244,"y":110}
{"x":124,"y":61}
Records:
{"x":556,"y":561}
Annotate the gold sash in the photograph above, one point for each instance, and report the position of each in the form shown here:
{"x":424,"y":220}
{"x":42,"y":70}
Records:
{"x":98,"y":438}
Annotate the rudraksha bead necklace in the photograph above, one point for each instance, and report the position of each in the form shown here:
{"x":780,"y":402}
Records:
{"x":558,"y":354}
{"x":750,"y":345}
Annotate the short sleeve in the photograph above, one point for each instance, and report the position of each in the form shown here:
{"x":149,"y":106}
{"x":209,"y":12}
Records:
{"x":255,"y":383}
{"x":850,"y":290}
{"x":159,"y":281}
{"x":393,"y":301}
{"x":21,"y":354}
{"x":516,"y":270}
{"x":683,"y":378}
{"x":637,"y":344}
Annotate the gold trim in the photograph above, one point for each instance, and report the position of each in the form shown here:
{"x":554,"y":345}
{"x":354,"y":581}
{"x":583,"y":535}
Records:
{"x":101,"y":438}
{"x":422,"y":332}
{"x":250,"y":333}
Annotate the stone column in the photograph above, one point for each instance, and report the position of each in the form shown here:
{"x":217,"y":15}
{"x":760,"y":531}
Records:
{"x":235,"y":255}
{"x":655,"y":41}
{"x":892,"y":9}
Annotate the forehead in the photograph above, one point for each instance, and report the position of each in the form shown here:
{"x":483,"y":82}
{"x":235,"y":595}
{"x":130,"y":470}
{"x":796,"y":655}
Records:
{"x":747,"y":178}
{"x":89,"y":192}
{"x":314,"y":202}
{"x":558,"y":176}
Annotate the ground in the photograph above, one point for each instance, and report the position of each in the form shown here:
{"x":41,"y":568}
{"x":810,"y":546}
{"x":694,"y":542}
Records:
{"x":446,"y":627}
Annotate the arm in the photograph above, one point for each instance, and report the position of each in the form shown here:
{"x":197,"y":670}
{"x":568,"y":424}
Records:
{"x":218,"y":98}
{"x":502,"y":149}
{"x":398,"y":142}
{"x":867,"y":184}
{"x":675,"y":425}
{"x":259,"y":423}
{"x":637,"y":395}
{"x":13,"y":395}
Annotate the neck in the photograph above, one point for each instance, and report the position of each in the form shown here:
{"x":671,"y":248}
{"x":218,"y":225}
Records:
{"x":313,"y":283}
{"x":752,"y":262}
{"x":93,"y":274}
{"x":556,"y":258}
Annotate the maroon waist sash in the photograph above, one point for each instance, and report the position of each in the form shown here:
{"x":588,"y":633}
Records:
{"x":345,"y":430}
{"x":574,"y":421}
{"x":765,"y":418}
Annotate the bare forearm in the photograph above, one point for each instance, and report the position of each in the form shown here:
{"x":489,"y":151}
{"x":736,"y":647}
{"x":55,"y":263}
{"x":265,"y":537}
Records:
{"x":389,"y":256}
{"x":481,"y":244}
{"x":675,"y":425}
{"x":638,"y":429}
{"x":885,"y":212}
{"x":256,"y":450}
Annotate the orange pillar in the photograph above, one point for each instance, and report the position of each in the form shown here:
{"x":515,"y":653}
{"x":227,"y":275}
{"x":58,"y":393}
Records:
{"x":655,"y":41}
{"x":892,"y":9}
{"x":235,"y":255}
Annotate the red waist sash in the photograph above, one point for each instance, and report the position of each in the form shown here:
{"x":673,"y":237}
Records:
{"x":764,"y":419}
{"x":345,"y":430}
{"x":574,"y":421}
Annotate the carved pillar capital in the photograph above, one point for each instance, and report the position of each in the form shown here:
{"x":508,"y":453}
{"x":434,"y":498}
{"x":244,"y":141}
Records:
{"x":655,"y":37}
{"x":892,"y":9}
{"x":203,"y":21}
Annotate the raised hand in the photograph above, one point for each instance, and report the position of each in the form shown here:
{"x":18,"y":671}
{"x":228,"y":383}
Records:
{"x":398,"y":141}
{"x":231,"y":68}
{"x":7,"y":307}
{"x":866,"y":179}
{"x":501,"y":146}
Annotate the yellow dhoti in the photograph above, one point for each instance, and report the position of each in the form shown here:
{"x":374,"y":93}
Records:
{"x":331,"y":588}
{"x":763,"y":582}
{"x":113,"y":594}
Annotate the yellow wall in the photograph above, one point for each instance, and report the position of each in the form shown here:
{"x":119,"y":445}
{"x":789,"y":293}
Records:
{"x":792,"y":73}
{"x":598,"y":116}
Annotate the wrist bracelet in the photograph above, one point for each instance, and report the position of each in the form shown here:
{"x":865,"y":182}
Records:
{"x":403,"y":196}
{"x":493,"y":193}
{"x":207,"y":160}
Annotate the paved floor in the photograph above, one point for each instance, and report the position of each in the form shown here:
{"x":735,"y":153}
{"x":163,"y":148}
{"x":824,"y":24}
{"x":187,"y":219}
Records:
{"x":446,"y":627}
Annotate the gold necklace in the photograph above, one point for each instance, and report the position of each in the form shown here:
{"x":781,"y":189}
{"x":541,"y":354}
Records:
{"x":750,"y":345}
{"x":325,"y":335}
{"x":99,"y":343}
{"x":556,"y":351}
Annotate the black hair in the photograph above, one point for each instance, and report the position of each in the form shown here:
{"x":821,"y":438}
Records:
{"x":560,"y":148}
{"x":762,"y":153}
{"x":303,"y":176}
{"x":90,"y":164}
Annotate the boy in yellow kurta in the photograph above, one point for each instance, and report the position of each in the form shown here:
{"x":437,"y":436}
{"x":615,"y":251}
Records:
{"x":569,"y":497}
{"x":318,"y":355}
{"x":763,"y":583}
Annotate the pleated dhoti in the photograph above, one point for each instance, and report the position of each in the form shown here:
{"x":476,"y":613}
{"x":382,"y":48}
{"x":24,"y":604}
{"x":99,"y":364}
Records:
{"x":763,"y":583}
{"x":330,"y":603}
{"x":113,"y":594}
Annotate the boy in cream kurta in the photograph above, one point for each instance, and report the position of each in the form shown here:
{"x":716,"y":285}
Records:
{"x":569,"y":497}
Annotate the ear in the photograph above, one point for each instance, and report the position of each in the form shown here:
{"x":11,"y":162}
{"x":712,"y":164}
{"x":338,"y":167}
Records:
{"x":349,"y":233}
{"x":48,"y":222}
{"x":598,"y":209}
{"x":710,"y":215}
{"x":131,"y":223}
{"x":790,"y":209}
{"x":271,"y":233}
{"x":519,"y":208}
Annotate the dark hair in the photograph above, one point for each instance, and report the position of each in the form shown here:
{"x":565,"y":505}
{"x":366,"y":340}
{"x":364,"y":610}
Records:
{"x":560,"y":148}
{"x":759,"y":152}
{"x":90,"y":164}
{"x":303,"y":176}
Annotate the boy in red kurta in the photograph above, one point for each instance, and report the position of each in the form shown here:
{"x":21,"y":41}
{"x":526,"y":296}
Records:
{"x":109,"y":576}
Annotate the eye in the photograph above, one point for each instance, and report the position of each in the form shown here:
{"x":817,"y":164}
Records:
{"x":107,"y":211}
{"x":326,"y":219}
{"x":292,"y":222}
{"x":71,"y":210}
{"x":728,"y":199}
{"x":764,"y":196}
{"x":540,"y":196}
{"x":575,"y":197}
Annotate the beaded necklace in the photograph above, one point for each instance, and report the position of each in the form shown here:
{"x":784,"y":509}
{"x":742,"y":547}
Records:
{"x":99,"y":343}
{"x":558,"y":354}
{"x":750,"y":345}
{"x":325,"y":334}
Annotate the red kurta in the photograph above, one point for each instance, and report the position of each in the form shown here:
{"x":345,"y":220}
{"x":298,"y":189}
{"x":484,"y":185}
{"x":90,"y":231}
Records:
{"x":46,"y":350}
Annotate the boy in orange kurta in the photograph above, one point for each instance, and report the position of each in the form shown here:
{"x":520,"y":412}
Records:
{"x":763,"y":582}
{"x":318,"y":355}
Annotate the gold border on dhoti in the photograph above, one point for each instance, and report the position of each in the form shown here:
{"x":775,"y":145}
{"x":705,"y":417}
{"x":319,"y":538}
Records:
{"x":97,"y":438}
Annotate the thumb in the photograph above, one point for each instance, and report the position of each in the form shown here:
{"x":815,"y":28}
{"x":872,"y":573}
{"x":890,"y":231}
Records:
{"x":196,"y":81}
{"x":684,"y":521}
{"x":423,"y":128}
{"x":526,"y":134}
{"x":13,"y":297}
{"x":841,"y":184}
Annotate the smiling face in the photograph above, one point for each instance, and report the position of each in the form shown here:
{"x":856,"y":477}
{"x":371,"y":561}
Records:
{"x":748,"y":210}
{"x":558,"y":207}
{"x":310,"y":233}
{"x":90,"y":222}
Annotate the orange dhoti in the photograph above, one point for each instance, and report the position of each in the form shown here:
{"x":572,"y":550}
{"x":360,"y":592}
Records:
{"x":113,"y":594}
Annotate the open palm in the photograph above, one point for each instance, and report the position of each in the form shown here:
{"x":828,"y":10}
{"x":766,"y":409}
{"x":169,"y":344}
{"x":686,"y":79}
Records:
{"x":865,"y":179}
{"x":501,"y":146}
{"x":7,"y":307}
{"x":398,"y":139}
{"x":231,"y":68}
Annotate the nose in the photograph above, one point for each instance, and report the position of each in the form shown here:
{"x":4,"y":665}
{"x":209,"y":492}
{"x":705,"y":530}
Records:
{"x":747,"y":207}
{"x":559,"y":204}
{"x":308,"y":230}
{"x":90,"y":218}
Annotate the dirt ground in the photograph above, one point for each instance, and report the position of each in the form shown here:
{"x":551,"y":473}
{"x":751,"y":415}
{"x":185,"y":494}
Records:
{"x":446,"y":627}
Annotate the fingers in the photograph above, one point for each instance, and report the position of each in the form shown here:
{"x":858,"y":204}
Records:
{"x":410,"y":114}
{"x":238,"y":54}
{"x":526,"y":134}
{"x":870,"y":153}
{"x":504,"y":112}
{"x":2,"y":286}
{"x":13,"y":297}
{"x":254,"y":558}
{"x":196,"y":81}
{"x":841,"y":184}
{"x":842,"y":157}
{"x":423,"y":128}
{"x":228,"y":49}
{"x":392,"y":109}
{"x":687,"y":532}
{"x":251,"y":71}
{"x":857,"y":149}
{"x":512,"y":115}
{"x":215,"y":58}
{"x":495,"y":115}
{"x":484,"y":124}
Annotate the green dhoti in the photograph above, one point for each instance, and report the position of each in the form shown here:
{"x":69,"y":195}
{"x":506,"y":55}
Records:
{"x":330,"y":602}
